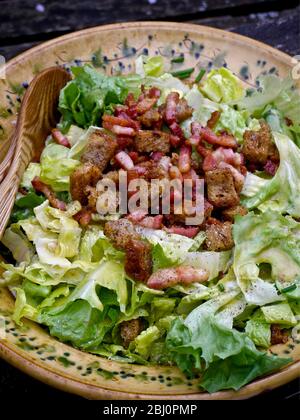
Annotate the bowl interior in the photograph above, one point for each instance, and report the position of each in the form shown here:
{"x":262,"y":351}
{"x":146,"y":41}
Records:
{"x":113,"y":49}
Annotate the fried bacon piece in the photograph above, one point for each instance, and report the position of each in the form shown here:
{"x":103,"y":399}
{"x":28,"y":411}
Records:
{"x":213,"y":119}
{"x":122,"y":120}
{"x":59,"y":138}
{"x":224,"y":140}
{"x":184,"y":162}
{"x":145,"y":105}
{"x":83,"y":217}
{"x":39,"y":186}
{"x":188,"y":231}
{"x":213,"y":159}
{"x":271,"y":167}
{"x":169,"y":277}
{"x":124,"y":160}
{"x":176,"y":109}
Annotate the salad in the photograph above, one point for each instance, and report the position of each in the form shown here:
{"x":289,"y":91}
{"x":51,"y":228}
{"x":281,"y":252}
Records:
{"x":145,"y":286}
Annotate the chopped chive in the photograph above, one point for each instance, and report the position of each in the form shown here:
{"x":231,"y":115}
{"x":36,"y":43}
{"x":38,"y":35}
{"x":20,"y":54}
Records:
{"x":221,"y":287}
{"x":289,"y":288}
{"x":179,"y":59}
{"x":183,"y":74}
{"x":200,"y":75}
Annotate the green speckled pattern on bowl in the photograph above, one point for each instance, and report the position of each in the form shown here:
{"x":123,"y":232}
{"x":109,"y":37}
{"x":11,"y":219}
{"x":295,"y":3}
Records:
{"x":113,"y":49}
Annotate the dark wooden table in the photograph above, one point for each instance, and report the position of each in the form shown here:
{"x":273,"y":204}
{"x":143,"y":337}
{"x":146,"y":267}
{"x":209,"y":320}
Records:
{"x":25,"y":23}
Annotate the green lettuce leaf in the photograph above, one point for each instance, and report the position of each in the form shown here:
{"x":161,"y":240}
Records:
{"x":150,"y":66}
{"x":109,"y":275}
{"x":95,"y":246}
{"x":213,"y":262}
{"x":32,"y":170}
{"x":279,"y":313}
{"x":228,"y":357}
{"x":85,"y":98}
{"x":78,"y":323}
{"x":276,"y":92}
{"x":258,"y":330}
{"x":57,"y":166}
{"x":231,"y":120}
{"x":175,"y":247}
{"x":143,"y":342}
{"x":22,"y":308}
{"x":266,"y":238}
{"x":240,"y":369}
{"x":222,"y":86}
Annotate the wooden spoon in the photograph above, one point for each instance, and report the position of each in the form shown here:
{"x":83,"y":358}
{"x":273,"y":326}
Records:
{"x":38,"y":115}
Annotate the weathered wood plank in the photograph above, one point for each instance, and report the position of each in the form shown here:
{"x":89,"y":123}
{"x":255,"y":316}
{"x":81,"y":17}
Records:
{"x":279,"y":29}
{"x":21,"y":18}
